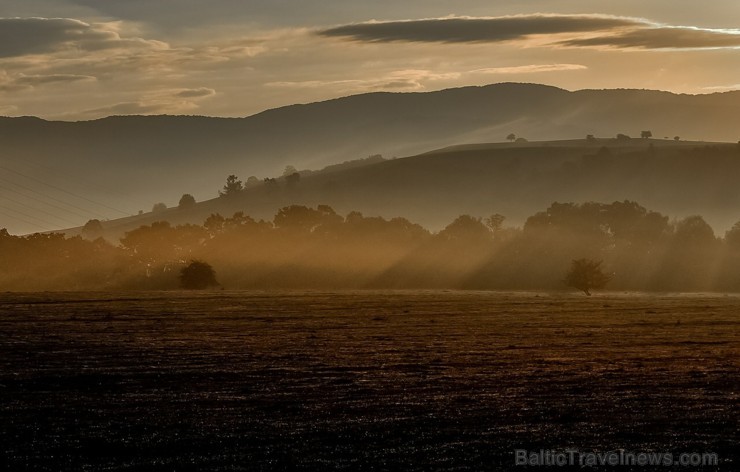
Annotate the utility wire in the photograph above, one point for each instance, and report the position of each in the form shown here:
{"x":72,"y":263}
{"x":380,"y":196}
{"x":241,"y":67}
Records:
{"x":66,"y":221}
{"x":87,"y":211}
{"x":79,"y":179}
{"x":65,"y":191}
{"x":42,"y":226}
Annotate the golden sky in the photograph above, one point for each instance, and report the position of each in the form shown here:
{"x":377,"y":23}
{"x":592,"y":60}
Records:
{"x":84,"y":59}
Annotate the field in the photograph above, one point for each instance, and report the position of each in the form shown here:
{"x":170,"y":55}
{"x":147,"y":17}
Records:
{"x":407,"y":380}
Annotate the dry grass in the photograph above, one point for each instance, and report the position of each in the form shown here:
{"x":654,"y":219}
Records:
{"x":346,"y":380}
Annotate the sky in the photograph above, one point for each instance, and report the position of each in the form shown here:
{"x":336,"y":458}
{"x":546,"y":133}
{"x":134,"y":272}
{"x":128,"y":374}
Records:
{"x":86,"y":59}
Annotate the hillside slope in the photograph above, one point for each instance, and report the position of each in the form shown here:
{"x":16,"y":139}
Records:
{"x":676,"y":178}
{"x":129,"y":163}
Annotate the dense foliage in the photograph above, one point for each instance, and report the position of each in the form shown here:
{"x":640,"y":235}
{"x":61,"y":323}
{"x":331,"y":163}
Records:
{"x":317,"y":248}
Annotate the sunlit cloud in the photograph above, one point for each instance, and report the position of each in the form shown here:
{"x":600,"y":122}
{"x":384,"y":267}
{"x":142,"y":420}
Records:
{"x":200,"y":92}
{"x":530,"y":69}
{"x":406,"y":80}
{"x":663,"y":37}
{"x":8,"y":109}
{"x":722,"y":88}
{"x":140,"y":107}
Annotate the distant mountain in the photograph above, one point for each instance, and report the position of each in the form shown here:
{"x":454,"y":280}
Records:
{"x":115,"y":166}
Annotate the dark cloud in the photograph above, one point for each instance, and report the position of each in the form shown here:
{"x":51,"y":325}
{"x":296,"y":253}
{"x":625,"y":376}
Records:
{"x":586,"y":31}
{"x":24,"y":36}
{"x":664,"y":37}
{"x":21,"y":36}
{"x":458,"y":30}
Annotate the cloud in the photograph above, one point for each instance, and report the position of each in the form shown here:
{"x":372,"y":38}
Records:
{"x":155,"y":103}
{"x":8,"y":109}
{"x":201,"y":92}
{"x":406,"y":80}
{"x":530,"y":69}
{"x":27,"y":82}
{"x":563,"y":30}
{"x":27,"y":36}
{"x":663,"y":37}
{"x":477,"y":30}
{"x":35,"y":80}
{"x":140,"y":107}
{"x":723,"y":88}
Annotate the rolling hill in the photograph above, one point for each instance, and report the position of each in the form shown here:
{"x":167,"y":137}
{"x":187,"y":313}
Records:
{"x":676,"y":178}
{"x":56,"y":174}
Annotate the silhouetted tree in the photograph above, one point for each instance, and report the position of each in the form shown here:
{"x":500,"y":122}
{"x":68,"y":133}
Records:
{"x":521,"y":140}
{"x":298,"y":218}
{"x":622,"y":137}
{"x":252,"y":181}
{"x":186,"y":201}
{"x":732,"y":237}
{"x":271,"y":185}
{"x":467,"y":229}
{"x":159,"y":207}
{"x":292,"y":180}
{"x":93,"y":229}
{"x":214,"y":223}
{"x":677,"y":138}
{"x":590,"y":137}
{"x":197,"y":275}
{"x":511,"y":137}
{"x":495,"y":222}
{"x":693,"y":231}
{"x":646,"y":134}
{"x":233,"y":187}
{"x":586,"y":275}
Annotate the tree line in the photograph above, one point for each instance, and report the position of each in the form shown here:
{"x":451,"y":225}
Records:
{"x":304,"y":247}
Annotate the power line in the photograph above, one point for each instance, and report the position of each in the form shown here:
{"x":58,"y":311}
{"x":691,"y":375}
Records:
{"x":66,"y":221}
{"x":42,"y":226}
{"x":78,"y":178}
{"x":86,"y":210}
{"x":65,"y":191}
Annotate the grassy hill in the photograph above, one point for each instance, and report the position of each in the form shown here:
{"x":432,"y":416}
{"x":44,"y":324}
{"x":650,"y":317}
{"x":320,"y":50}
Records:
{"x":676,"y":178}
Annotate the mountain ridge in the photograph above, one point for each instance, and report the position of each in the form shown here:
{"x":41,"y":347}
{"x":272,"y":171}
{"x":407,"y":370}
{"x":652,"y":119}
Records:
{"x":158,"y":158}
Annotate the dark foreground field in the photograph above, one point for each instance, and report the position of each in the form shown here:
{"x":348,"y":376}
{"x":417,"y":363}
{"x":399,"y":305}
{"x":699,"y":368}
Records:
{"x":359,"y":380}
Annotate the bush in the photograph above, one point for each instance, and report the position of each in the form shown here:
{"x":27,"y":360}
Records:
{"x":585,"y":275}
{"x":198,"y":275}
{"x":186,"y":201}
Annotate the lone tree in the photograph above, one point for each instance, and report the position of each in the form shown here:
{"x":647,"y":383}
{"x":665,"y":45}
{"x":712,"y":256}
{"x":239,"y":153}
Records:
{"x":197,"y":275}
{"x":159,"y":207}
{"x":585,"y":275}
{"x":232,"y":187}
{"x":646,"y":134}
{"x":511,"y":137}
{"x":93,"y":229}
{"x":186,"y":201}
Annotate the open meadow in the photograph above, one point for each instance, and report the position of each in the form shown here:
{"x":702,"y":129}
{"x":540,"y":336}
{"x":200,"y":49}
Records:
{"x":406,"y":380}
